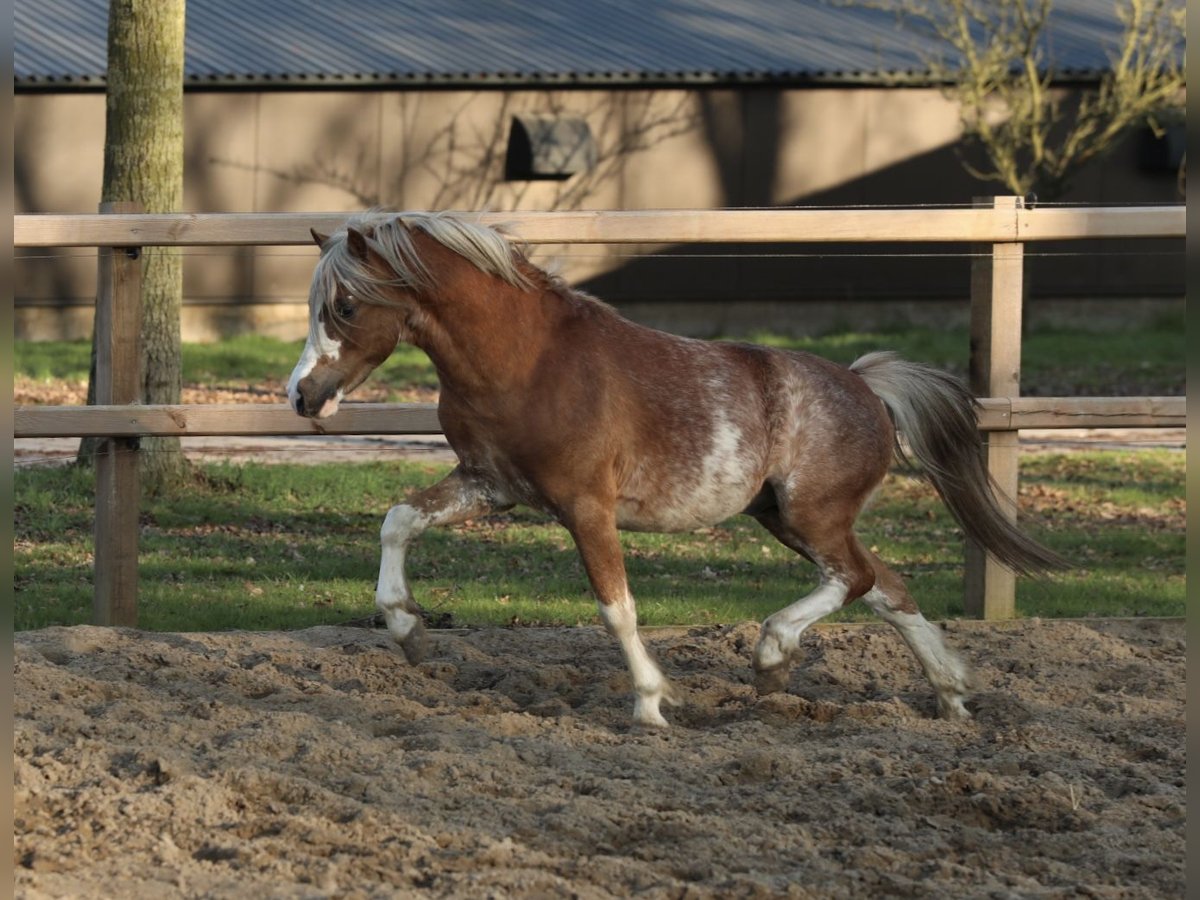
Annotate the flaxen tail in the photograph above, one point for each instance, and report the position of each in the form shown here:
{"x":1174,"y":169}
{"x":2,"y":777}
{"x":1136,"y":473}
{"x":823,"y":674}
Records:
{"x":936,"y":415}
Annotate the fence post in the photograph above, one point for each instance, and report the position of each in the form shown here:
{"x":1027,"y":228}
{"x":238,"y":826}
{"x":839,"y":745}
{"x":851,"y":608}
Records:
{"x":997,"y":294}
{"x":118,"y":382}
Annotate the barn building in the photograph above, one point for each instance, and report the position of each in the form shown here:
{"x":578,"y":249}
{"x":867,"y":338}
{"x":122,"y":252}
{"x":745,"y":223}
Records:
{"x":567,"y":104}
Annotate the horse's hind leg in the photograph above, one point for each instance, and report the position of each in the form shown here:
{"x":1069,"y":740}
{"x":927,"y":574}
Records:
{"x":849,"y":570}
{"x":950,"y":678}
{"x":455,"y":498}
{"x":845,"y":572}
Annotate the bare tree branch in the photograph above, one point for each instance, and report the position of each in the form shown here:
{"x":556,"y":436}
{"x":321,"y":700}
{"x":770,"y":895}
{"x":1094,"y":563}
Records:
{"x":996,"y":66}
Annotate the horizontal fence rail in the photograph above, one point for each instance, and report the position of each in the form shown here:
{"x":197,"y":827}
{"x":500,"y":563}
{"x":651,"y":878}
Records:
{"x":749,"y":226}
{"x":279,"y":419}
{"x":998,"y":229}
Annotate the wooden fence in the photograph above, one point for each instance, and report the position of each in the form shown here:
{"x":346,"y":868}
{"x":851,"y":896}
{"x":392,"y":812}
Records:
{"x":998,"y":228}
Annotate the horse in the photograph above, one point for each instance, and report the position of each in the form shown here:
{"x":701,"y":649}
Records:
{"x":551,"y":399}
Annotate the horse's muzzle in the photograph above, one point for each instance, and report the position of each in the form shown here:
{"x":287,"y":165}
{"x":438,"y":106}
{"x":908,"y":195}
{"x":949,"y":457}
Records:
{"x":315,"y":400}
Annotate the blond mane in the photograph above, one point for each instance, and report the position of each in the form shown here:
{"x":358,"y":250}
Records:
{"x":391,"y":236}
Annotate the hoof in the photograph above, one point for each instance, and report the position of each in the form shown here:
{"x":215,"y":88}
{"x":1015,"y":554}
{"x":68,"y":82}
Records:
{"x":770,"y":681}
{"x":646,"y":707}
{"x":653,"y":724}
{"x":646,"y":714}
{"x":952,"y":709}
{"x":415,"y":645}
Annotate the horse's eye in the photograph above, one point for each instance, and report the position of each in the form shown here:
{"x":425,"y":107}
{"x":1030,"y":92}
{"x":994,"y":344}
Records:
{"x":344,"y":308}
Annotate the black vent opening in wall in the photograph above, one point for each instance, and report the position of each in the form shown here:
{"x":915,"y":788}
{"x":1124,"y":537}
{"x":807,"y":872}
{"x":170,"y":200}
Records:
{"x":548,"y":148}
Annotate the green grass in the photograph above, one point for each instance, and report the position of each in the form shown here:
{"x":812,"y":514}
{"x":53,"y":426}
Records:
{"x":282,"y":546}
{"x":238,"y":361}
{"x":1148,"y":361}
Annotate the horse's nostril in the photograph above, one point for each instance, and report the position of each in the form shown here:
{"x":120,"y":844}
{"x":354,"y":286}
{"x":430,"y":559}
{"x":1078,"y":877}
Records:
{"x":300,"y":404}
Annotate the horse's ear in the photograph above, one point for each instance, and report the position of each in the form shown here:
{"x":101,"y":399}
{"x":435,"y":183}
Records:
{"x":320,"y":239}
{"x":357,"y":243}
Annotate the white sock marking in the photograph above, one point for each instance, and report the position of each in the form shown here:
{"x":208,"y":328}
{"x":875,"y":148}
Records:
{"x":392,"y":595}
{"x":781,"y":632}
{"x":649,"y":685}
{"x":945,"y":671}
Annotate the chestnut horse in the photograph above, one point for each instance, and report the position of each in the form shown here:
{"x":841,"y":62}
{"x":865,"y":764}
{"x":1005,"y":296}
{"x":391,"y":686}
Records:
{"x":551,"y":399}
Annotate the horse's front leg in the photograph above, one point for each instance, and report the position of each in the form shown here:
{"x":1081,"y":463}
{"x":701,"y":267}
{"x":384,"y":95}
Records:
{"x":455,"y":498}
{"x":594,"y":529}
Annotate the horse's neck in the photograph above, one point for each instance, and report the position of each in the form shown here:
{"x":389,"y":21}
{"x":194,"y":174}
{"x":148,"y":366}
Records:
{"x":483,"y":334}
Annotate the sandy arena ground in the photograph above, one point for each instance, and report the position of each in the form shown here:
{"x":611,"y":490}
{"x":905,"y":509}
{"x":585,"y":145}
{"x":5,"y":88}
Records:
{"x":318,"y":764}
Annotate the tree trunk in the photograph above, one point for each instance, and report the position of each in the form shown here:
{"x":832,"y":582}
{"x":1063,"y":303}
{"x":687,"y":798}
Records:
{"x":143,"y":162}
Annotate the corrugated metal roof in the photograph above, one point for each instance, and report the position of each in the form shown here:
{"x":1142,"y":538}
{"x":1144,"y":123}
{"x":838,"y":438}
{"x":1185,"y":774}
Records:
{"x":61,"y":43}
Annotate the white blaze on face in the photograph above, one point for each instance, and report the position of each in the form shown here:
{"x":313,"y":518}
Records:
{"x":319,"y":344}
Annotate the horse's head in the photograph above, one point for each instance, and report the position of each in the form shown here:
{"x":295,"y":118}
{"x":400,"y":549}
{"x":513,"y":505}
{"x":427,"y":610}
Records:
{"x":357,"y":308}
{"x":379,"y":281}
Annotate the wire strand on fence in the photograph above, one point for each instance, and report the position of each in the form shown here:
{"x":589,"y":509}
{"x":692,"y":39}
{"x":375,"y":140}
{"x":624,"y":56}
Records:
{"x":198,"y":252}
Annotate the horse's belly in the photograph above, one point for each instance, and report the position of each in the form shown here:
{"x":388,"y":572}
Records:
{"x":687,"y":504}
{"x":633,"y":515}
{"x":677,"y":488}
